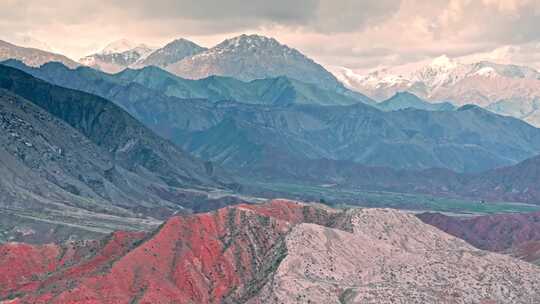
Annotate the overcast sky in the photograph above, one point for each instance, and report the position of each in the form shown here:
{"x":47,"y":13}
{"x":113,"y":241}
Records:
{"x":359,"y":34}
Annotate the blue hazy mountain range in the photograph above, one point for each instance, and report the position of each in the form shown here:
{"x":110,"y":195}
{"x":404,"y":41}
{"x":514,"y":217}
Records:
{"x":404,"y":100}
{"x":242,"y":135}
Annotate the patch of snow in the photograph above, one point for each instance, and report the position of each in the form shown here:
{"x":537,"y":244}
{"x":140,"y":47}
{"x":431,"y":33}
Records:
{"x":118,"y":46}
{"x":130,"y":144}
{"x":486,"y":71}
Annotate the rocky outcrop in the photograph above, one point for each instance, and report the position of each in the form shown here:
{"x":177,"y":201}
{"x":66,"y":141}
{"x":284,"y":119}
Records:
{"x":391,"y":257}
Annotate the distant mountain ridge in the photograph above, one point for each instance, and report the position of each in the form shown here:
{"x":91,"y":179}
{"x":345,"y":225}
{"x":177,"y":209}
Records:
{"x":117,"y":56}
{"x":517,"y":183}
{"x":171,"y":53}
{"x":31,"y":56}
{"x":505,"y":89}
{"x":250,"y":57}
{"x":97,"y":113}
{"x":408,"y":139}
{"x":241,"y":136}
{"x":246,"y":57}
{"x":490,"y":85}
{"x":122,"y":45}
{"x":405,"y":100}
{"x":271,"y":91}
{"x":279,"y":90}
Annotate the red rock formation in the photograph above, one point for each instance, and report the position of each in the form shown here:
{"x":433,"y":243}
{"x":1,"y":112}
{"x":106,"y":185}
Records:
{"x":26,"y":268}
{"x":237,"y":254}
{"x":195,"y":259}
{"x":502,"y":232}
{"x":21,"y":265}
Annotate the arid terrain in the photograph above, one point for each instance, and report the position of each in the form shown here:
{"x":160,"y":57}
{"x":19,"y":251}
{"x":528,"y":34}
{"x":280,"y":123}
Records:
{"x":278,"y":252}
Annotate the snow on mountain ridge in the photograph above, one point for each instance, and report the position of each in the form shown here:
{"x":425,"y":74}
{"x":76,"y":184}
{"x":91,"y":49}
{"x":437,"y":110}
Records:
{"x":441,"y":71}
{"x":444,"y":62}
{"x":486,"y":71}
{"x":31,"y":56}
{"x":117,"y":56}
{"x":506,"y":89}
{"x":245,"y":43}
{"x":169,"y":54}
{"x":250,"y":57}
{"x":124,"y":45}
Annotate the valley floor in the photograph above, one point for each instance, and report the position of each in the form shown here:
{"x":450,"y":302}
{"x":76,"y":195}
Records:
{"x":347,"y":197}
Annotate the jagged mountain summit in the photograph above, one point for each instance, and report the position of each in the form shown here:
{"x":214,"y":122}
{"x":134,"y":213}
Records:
{"x":31,"y":56}
{"x":124,"y":54}
{"x":246,"y":58}
{"x":505,"y":89}
{"x":120,"y":46}
{"x":250,"y":57}
{"x":171,"y":53}
{"x":117,"y":56}
{"x":278,"y":252}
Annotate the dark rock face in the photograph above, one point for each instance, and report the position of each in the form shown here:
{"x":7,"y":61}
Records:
{"x":74,"y":165}
{"x":109,"y":127}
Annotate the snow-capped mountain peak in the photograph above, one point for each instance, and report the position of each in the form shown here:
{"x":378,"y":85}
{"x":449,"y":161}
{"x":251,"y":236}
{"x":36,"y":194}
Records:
{"x":252,"y":43}
{"x":120,"y":46}
{"x":503,"y":88}
{"x":486,"y":71}
{"x":443,"y":62}
{"x":248,"y":41}
{"x":172,"y":52}
{"x":250,"y":57}
{"x":117,"y":56}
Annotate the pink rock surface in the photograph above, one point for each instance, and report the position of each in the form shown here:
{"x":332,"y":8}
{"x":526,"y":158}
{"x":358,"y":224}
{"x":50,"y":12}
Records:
{"x":279,"y":252}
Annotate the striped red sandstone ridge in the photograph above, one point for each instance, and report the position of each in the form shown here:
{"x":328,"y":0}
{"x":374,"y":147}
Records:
{"x":279,"y":252}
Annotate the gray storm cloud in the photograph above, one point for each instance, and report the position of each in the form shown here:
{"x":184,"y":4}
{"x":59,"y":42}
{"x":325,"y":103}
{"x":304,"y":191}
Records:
{"x":319,"y":15}
{"x":355,"y":33}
